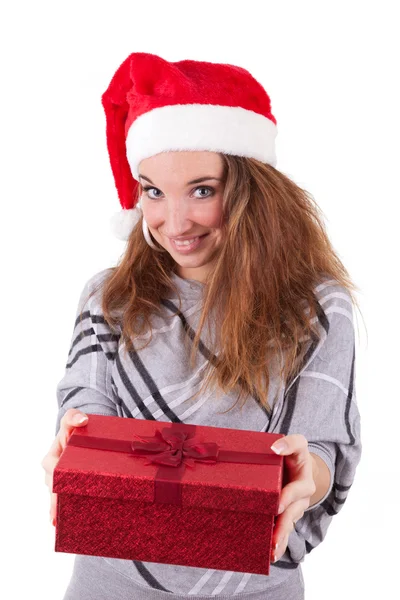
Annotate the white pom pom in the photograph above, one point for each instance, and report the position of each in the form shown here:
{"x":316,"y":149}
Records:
{"x":123,"y":222}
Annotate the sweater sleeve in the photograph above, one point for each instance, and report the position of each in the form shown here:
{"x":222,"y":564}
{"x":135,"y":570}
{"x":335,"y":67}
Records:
{"x":320,"y":403}
{"x":87,"y":384}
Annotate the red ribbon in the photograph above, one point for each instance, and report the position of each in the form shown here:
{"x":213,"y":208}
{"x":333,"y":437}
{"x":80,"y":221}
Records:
{"x":174,"y":448}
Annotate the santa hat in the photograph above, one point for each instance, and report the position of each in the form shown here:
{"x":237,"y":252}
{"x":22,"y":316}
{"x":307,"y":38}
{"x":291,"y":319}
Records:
{"x":152,"y":106}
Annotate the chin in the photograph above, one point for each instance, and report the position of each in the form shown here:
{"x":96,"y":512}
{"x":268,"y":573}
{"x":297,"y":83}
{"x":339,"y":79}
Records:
{"x":190,"y":264}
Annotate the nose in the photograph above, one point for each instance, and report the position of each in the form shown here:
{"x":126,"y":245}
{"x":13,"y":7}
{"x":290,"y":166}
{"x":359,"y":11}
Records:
{"x":177,"y":217}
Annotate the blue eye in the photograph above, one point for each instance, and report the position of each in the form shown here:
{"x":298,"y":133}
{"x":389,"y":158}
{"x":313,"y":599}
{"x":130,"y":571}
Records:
{"x":147,"y":188}
{"x":205,"y":188}
{"x":201,"y":187}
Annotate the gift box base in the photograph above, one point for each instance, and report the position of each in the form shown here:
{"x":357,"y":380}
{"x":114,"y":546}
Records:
{"x":187,"y":536}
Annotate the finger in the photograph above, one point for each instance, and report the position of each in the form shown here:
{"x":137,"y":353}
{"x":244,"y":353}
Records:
{"x":293,"y":514}
{"x":49,"y":463}
{"x":71,"y":419}
{"x":297,"y":490}
{"x":279,"y":550}
{"x":50,"y":475}
{"x":284,"y":524}
{"x":53,"y":507}
{"x":49,"y":481}
{"x":294,"y":443}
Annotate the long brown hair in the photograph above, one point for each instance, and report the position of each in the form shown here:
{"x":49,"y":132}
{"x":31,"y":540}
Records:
{"x":274,"y":251}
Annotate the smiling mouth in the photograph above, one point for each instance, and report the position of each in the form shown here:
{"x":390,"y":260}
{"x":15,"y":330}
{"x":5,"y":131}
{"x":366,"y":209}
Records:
{"x":188,"y":242}
{"x":188,"y":245}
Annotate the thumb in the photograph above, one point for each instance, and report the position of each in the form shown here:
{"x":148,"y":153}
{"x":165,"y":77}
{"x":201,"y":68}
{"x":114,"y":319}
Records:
{"x":280,"y":446}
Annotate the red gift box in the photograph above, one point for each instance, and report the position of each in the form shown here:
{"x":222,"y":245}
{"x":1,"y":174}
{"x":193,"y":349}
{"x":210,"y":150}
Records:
{"x":172,"y":493}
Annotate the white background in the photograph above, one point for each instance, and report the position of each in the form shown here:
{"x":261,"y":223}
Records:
{"x":331,"y":71}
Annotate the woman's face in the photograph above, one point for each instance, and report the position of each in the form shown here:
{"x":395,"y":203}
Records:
{"x":182,"y":200}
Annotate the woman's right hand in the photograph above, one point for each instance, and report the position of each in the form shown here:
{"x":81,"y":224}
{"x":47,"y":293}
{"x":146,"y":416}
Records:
{"x":72,"y":418}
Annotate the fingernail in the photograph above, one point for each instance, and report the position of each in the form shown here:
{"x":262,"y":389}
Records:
{"x":279,"y":447}
{"x":281,"y":509}
{"x":78,"y":419}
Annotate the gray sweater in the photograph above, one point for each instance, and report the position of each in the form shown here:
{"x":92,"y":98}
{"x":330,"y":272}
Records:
{"x":157,"y":383}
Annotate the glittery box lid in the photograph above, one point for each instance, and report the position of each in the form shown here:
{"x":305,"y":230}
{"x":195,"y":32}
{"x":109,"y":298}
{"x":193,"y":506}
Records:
{"x":222,"y":485}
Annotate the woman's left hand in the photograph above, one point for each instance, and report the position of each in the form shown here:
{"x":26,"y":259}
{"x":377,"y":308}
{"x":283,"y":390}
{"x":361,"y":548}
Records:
{"x":296,"y":495}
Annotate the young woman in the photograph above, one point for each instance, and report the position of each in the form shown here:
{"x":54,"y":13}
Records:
{"x":229,"y":308}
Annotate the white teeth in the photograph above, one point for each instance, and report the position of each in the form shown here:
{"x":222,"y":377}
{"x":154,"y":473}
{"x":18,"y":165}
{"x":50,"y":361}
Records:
{"x":186,"y":242}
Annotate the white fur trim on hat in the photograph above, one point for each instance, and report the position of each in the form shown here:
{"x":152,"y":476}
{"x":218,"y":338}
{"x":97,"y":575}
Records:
{"x":123,"y":222}
{"x":226,"y":129}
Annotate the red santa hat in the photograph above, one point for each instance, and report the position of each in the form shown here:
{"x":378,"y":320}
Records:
{"x":152,"y":106}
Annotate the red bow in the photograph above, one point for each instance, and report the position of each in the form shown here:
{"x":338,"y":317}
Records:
{"x":175,"y":448}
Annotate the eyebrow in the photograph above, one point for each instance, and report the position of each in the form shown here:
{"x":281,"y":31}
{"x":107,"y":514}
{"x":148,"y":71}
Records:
{"x":199,"y":180}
